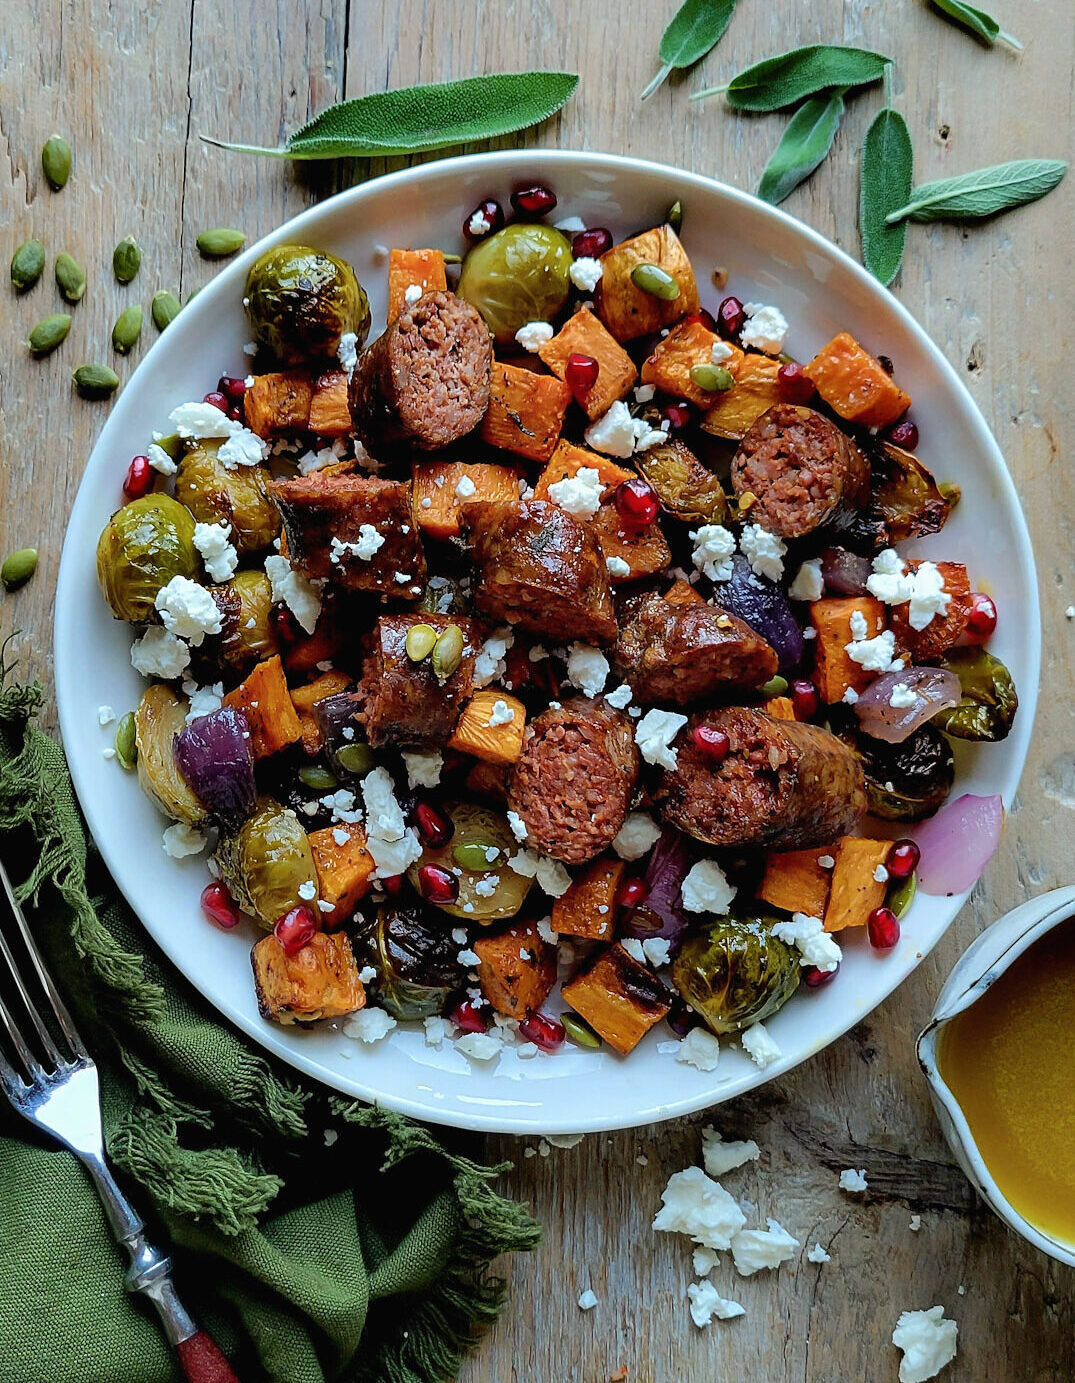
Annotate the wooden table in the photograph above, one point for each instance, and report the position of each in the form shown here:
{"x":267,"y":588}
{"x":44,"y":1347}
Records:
{"x":134,"y":84}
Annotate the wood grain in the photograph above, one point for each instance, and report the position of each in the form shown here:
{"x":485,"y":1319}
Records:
{"x":133,"y":83}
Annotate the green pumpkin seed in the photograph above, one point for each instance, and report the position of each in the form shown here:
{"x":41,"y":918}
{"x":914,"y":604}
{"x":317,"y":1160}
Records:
{"x":164,"y":309}
{"x":674,"y":216}
{"x":579,"y":1032}
{"x":447,"y":652}
{"x":219,"y":243}
{"x":776,"y":686}
{"x":450,"y":258}
{"x":950,"y":491}
{"x":901,"y":894}
{"x":95,"y":381}
{"x":420,"y":641}
{"x":356,"y":759}
{"x":18,"y":568}
{"x":27,"y":264}
{"x":70,"y":278}
{"x":47,"y":335}
{"x":318,"y":779}
{"x":126,"y":259}
{"x":56,"y":161}
{"x":652,"y":279}
{"x":125,"y":743}
{"x":713,"y":378}
{"x":127,"y":330}
{"x":474,"y":856}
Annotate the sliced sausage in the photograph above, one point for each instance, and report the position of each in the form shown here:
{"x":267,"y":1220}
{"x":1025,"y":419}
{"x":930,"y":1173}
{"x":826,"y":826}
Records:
{"x":425,"y":381}
{"x":574,"y":780}
{"x":684,"y":653}
{"x":782,"y":784}
{"x":540,"y":569}
{"x":404,"y":702}
{"x":803,"y":472}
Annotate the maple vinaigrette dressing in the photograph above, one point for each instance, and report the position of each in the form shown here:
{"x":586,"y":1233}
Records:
{"x":1009,"y":1060}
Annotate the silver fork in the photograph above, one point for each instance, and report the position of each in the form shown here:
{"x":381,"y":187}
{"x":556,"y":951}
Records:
{"x":60,"y":1094}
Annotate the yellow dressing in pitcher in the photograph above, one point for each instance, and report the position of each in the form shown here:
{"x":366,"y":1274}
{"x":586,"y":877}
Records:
{"x":1009,"y":1060}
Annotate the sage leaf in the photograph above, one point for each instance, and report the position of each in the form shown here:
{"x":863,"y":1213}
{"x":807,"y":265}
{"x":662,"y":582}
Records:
{"x":976,"y":22}
{"x":416,"y":118}
{"x":886,"y":178}
{"x":695,"y":28}
{"x":970,"y":196}
{"x":790,"y":77}
{"x":806,"y":142}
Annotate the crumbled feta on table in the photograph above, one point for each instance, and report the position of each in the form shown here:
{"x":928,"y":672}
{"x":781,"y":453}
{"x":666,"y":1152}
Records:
{"x":694,"y":1204}
{"x":818,"y":1255}
{"x":928,"y":1342}
{"x":720,"y":1157}
{"x":706,"y":1302}
{"x":587,"y":1300}
{"x":852,"y":1181}
{"x":756,"y":1249}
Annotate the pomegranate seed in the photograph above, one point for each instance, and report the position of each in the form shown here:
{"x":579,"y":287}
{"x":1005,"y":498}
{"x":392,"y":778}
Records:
{"x":295,"y":929}
{"x":630,"y":893}
{"x":794,"y":384}
{"x":902,"y":859}
{"x":804,"y":698}
{"x":982,"y":620}
{"x":393,"y":885}
{"x":219,"y":906}
{"x":814,"y":978}
{"x":218,"y":400}
{"x":636,"y":501}
{"x":284,"y":624}
{"x":536,"y":200}
{"x":437,"y":885}
{"x":883,"y":927}
{"x":466,"y":1016}
{"x":434,"y":828}
{"x":232,"y":386}
{"x":591,"y":244}
{"x":731,"y":315}
{"x":580,"y":373}
{"x":677,"y":415}
{"x":681,"y":1019}
{"x":703,"y":318}
{"x":235,"y":412}
{"x":712,"y":744}
{"x":545,"y":1032}
{"x":140,"y":476}
{"x":488,"y":212}
{"x":904,"y":435}
{"x":885,"y":362}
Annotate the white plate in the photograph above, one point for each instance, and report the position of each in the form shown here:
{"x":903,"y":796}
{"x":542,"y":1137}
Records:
{"x":768,"y":256}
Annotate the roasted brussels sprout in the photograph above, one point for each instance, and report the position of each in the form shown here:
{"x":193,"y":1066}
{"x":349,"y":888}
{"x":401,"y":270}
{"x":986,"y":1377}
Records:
{"x":160,"y":717}
{"x":215,"y":494}
{"x":687,"y":489}
{"x":910,"y":780}
{"x":989,"y":699}
{"x":246,"y":633}
{"x":142,"y":546}
{"x":415,"y":959}
{"x":301,"y":301}
{"x":266,"y":862}
{"x":518,"y":275}
{"x":477,"y":831}
{"x":905,"y":500}
{"x":443,"y":595}
{"x":733,"y":972}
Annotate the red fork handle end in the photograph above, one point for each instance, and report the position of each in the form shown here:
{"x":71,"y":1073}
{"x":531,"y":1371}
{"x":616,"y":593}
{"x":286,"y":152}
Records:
{"x":203,"y":1362}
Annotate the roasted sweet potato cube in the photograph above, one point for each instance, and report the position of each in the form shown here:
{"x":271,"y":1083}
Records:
{"x":330,"y":415}
{"x":619,"y":998}
{"x":834,"y":671}
{"x":856,"y":890}
{"x":423,"y":269}
{"x":356,"y":531}
{"x":683,"y":593}
{"x":755,"y":391}
{"x":588,"y":908}
{"x":444,"y":485}
{"x":568,"y":459}
{"x":322,"y":646}
{"x":779,"y":708}
{"x":526,"y":411}
{"x":304,"y":699}
{"x":279,"y":403}
{"x":344,"y":869}
{"x":856,"y":385}
{"x":794,"y":881}
{"x":645,"y":550}
{"x":319,"y":981}
{"x":517,"y":969}
{"x":627,"y":310}
{"x":675,"y":355}
{"x":481,"y":732}
{"x":270,"y":713}
{"x":584,"y":334}
{"x":943,"y":632}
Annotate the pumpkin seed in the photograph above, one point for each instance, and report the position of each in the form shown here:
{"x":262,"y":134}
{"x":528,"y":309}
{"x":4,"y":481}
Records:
{"x":713,"y":378}
{"x":27,"y":264}
{"x":579,"y":1032}
{"x":18,"y":568}
{"x":420,"y":641}
{"x":95,"y":381}
{"x":126,"y":259}
{"x":652,"y":279}
{"x":356,"y":759}
{"x":47,"y":335}
{"x":901,"y":895}
{"x":318,"y":779}
{"x":674,"y":216}
{"x":219,"y":243}
{"x":776,"y":686}
{"x":70,"y":278}
{"x":125,"y":742}
{"x":950,"y":491}
{"x":164,"y":309}
{"x":127,"y":330}
{"x":56,"y":161}
{"x":474,"y":856}
{"x":447,"y":652}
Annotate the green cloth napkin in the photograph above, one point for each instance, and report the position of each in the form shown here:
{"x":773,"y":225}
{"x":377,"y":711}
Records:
{"x":364,"y":1256}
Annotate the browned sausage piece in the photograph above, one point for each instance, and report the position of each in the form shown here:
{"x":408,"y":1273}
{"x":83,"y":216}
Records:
{"x":783,"y":784}
{"x":803,"y":472}
{"x":574,"y":780}
{"x":540,"y":569}
{"x":333,"y":524}
{"x":403,"y":702}
{"x":683,"y":653}
{"x":425,"y":381}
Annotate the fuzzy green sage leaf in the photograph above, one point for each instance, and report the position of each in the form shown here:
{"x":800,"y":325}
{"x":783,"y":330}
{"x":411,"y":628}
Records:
{"x":976,"y":22}
{"x":887,"y":173}
{"x":416,"y":118}
{"x":695,"y":28}
{"x":805,"y":144}
{"x":790,"y":77}
{"x":986,"y":191}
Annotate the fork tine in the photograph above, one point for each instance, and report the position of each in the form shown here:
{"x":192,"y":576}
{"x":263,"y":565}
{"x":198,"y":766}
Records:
{"x":10,"y":1078}
{"x":34,"y":1069}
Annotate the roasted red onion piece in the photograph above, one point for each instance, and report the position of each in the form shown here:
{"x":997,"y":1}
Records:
{"x":958,"y":843}
{"x":844,"y":572}
{"x":757,"y":601}
{"x":213,"y":754}
{"x":933,"y":688}
{"x":661,"y":913}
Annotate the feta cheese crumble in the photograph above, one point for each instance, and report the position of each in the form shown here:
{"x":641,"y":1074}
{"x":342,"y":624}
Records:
{"x":347,"y":353}
{"x":621,"y":697}
{"x":479,"y":1046}
{"x":501,"y":714}
{"x":719,"y":1157}
{"x":489,"y":666}
{"x":587,"y":668}
{"x":694,"y":1204}
{"x":875,"y":655}
{"x":638,"y":835}
{"x":706,"y":889}
{"x":759,"y":1046}
{"x":654,"y":734}
{"x":755,"y":1249}
{"x":205,"y":700}
{"x":714,"y":547}
{"x":922,"y":590}
{"x":369,"y":1025}
{"x":765,"y":329}
{"x":616,"y":566}
{"x":300,"y":596}
{"x":159,"y":653}
{"x":552,"y":878}
{"x":719,"y":352}
{"x":818,"y":1255}
{"x":219,"y":556}
{"x":928,"y":1342}
{"x":181,"y":840}
{"x":764,"y":551}
{"x":587,"y":1300}
{"x":579,"y":494}
{"x":366,"y":545}
{"x":160,"y":460}
{"x":612,"y":433}
{"x":412,"y":293}
{"x":187,"y":610}
{"x":465,"y":487}
{"x":699,"y":1048}
{"x":853,"y":1182}
{"x":389,"y":840}
{"x":202,"y":421}
{"x":706,"y":1302}
{"x":901,"y":697}
{"x":423,"y":767}
{"x":533,"y":335}
{"x":808,"y":583}
{"x":436,"y":1030}
{"x":518,"y":826}
{"x":105,"y":715}
{"x":585,"y":273}
{"x":815,"y":946}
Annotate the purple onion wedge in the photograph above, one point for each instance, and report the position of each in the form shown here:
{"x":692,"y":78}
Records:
{"x":661,"y":913}
{"x":893,"y":707}
{"x":214,"y":756}
{"x":764,"y":606}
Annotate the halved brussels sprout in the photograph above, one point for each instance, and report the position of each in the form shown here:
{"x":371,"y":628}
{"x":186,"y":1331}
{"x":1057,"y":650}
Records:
{"x":989,"y":699}
{"x":415,"y":959}
{"x":160,"y":717}
{"x":301,"y":301}
{"x":266,"y":862}
{"x":141,"y":548}
{"x":246,"y":634}
{"x":482,"y":830}
{"x":733,"y":972}
{"x":518,"y":275}
{"x":215,"y":494}
{"x":686,"y":488}
{"x":905,"y":500}
{"x":910,"y":780}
